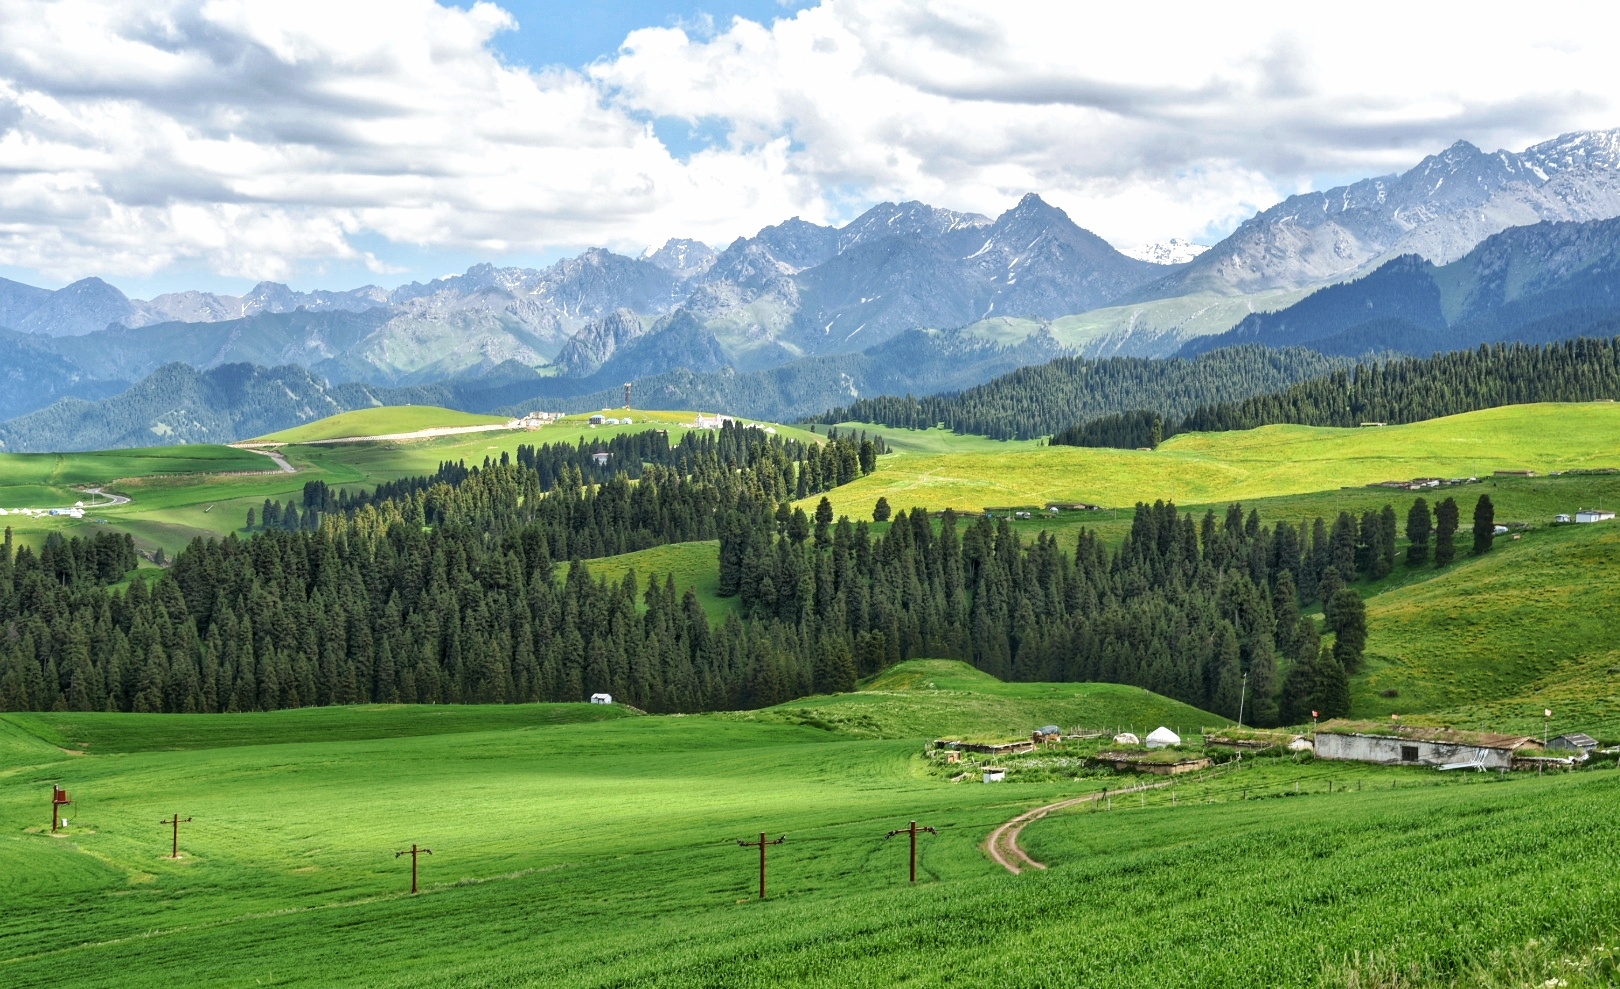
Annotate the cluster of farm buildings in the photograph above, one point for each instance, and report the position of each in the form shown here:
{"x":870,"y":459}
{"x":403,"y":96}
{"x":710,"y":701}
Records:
{"x":1343,"y":740}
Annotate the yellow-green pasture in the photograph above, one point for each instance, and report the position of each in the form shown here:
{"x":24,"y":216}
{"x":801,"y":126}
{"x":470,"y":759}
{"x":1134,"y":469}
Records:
{"x":1242,"y":465}
{"x":381,"y":421}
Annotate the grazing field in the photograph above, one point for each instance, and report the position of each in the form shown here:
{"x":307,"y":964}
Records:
{"x":1496,"y":640}
{"x":1196,"y":468}
{"x":380,"y":421}
{"x":569,"y":853}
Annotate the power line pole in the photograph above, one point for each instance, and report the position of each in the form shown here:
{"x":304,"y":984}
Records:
{"x":762,"y":843}
{"x":413,"y":852}
{"x":176,"y":821}
{"x":913,"y":832}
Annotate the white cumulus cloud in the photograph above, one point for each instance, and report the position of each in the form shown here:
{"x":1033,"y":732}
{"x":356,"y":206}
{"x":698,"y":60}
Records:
{"x":250,"y":138}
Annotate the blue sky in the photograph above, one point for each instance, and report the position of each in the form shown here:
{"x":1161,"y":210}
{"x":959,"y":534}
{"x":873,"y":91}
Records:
{"x":576,"y":34}
{"x":171,"y":144}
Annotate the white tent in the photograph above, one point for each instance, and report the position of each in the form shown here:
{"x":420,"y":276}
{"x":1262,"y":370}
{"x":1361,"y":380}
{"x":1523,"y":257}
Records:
{"x":601,"y":698}
{"x":1162,"y":737}
{"x":1126,"y":738}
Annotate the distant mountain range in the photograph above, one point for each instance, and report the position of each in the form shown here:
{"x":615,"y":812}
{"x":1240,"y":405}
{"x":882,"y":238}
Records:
{"x":906,"y":296}
{"x":1534,"y":284}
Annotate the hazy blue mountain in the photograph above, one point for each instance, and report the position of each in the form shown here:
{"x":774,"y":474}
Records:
{"x":32,"y":377}
{"x":917,"y":361}
{"x":85,"y":306}
{"x":18,"y":300}
{"x":180,"y":404}
{"x":1535,"y":283}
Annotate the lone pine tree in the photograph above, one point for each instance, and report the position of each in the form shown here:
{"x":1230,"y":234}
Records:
{"x":1484,"y":525}
{"x":1445,"y":532}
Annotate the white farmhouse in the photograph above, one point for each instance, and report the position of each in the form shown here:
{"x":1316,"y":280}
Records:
{"x":601,"y":698}
{"x":1593,"y":515}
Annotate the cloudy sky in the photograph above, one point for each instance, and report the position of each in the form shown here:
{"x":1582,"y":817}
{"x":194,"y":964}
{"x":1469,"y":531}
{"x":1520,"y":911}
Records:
{"x":164,"y":144}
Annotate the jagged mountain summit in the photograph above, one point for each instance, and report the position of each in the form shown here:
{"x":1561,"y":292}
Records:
{"x":1439,"y":210}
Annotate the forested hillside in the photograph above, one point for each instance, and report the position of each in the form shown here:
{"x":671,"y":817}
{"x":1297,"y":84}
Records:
{"x":1395,"y":391}
{"x":1036,"y":401}
{"x":447,"y":589}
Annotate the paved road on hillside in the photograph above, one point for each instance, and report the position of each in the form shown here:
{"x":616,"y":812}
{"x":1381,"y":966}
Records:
{"x":114,"y":500}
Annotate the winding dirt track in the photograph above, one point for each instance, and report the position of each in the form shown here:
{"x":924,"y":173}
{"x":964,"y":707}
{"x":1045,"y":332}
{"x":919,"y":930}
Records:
{"x":1002,"y":845}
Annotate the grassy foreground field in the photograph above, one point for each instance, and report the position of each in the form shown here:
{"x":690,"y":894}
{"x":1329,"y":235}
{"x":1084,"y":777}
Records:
{"x":602,"y":853}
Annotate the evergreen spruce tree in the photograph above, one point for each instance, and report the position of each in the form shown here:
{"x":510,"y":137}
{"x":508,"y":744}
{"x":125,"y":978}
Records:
{"x":881,"y":511}
{"x":824,"y":519}
{"x":1262,"y":681}
{"x":1484,"y":525}
{"x":1419,"y":526}
{"x":1387,"y":535}
{"x":1299,"y":691}
{"x":1331,"y":699}
{"x":1346,"y":616}
{"x":1342,"y":545}
{"x":1445,"y":532}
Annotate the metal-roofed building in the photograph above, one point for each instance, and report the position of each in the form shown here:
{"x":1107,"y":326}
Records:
{"x":1575,"y":740}
{"x":1408,"y":745}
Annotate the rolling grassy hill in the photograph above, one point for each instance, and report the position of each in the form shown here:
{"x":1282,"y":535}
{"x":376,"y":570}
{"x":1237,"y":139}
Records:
{"x":949,"y":699}
{"x":570,"y":853}
{"x":1270,"y":461}
{"x":1496,"y":640}
{"x":379,"y":422}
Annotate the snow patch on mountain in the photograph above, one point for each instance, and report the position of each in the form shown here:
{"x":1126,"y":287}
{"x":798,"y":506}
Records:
{"x":1172,"y":251}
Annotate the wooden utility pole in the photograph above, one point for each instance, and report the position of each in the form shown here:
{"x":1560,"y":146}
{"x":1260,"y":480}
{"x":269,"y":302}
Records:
{"x":176,"y":821}
{"x":913,"y":832}
{"x":762,"y":843}
{"x":413,"y":852}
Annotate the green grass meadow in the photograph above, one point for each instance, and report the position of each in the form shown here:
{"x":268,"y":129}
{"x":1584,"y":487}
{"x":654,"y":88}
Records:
{"x":573,"y":852}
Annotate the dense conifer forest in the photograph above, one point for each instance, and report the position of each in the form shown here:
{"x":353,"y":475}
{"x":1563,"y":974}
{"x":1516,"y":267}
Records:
{"x":1040,"y":400}
{"x":1395,"y":391}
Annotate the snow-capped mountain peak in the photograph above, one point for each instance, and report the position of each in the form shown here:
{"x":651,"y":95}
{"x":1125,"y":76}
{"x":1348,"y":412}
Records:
{"x":1172,"y":251}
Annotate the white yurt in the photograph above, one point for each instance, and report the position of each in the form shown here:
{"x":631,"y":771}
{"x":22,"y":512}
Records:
{"x":1162,"y":737}
{"x":1126,"y":738}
